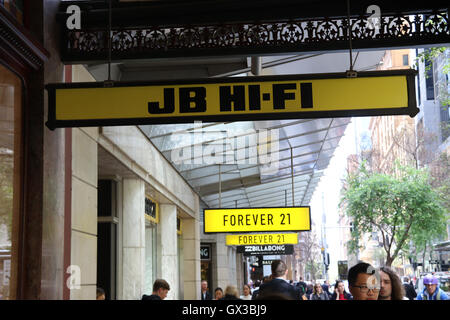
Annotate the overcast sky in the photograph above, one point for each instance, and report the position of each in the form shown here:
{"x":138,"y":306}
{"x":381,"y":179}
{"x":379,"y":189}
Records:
{"x":330,"y":186}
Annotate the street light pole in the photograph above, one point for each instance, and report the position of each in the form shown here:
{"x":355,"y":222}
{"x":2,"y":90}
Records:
{"x":324,"y":240}
{"x":292,"y":174}
{"x":220,"y":186}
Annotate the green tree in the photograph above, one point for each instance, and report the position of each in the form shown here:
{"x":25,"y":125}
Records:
{"x":402,"y":208}
{"x":310,"y":254}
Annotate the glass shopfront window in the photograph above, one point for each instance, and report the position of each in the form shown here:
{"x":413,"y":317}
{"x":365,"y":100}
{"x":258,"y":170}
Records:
{"x":10,"y":118}
{"x":180,"y":259}
{"x":150,"y":256}
{"x":151,"y":221}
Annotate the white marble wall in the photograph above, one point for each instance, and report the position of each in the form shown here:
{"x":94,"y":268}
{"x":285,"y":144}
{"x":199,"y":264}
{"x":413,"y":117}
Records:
{"x":224,"y":261}
{"x":167,"y":248}
{"x":135,"y":151}
{"x":133,"y":254}
{"x":224,"y":266}
{"x":191,"y":254}
{"x":84,"y":211}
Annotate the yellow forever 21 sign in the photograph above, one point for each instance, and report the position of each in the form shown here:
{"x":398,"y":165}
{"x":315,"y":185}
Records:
{"x":257,"y":219}
{"x":261,"y":239}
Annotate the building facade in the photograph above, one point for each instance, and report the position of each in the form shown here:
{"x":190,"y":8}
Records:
{"x":133,"y":217}
{"x":100,"y":207}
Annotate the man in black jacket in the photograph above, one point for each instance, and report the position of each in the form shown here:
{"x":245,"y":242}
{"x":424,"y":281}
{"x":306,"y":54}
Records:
{"x":278,"y":287}
{"x":160,"y":290}
{"x":302,"y":286}
{"x":205,"y":293}
{"x":410,"y":293}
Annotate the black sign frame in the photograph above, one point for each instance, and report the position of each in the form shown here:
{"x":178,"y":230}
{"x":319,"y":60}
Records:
{"x":208,"y":250}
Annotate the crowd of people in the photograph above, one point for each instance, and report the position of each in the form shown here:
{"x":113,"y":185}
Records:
{"x":364,"y":283}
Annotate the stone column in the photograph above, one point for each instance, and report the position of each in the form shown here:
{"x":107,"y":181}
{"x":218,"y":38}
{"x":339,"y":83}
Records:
{"x":167,"y":248}
{"x":84,"y":211}
{"x":133,"y":223}
{"x":224,"y":273}
{"x":191,"y":252}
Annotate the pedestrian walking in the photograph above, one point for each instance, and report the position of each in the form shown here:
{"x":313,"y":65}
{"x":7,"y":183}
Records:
{"x":339,"y":292}
{"x":326,"y":287}
{"x":205,"y":293}
{"x":432,"y":290}
{"x":278,"y":285}
{"x":391,"y":287}
{"x":247,"y":293}
{"x":410,"y":292}
{"x":309,"y":290}
{"x":231,"y":293}
{"x":160,"y":290}
{"x":256,"y":291}
{"x":318,"y":293}
{"x":302,"y":286}
{"x":101,"y":294}
{"x":218,"y":293}
{"x":361,"y":282}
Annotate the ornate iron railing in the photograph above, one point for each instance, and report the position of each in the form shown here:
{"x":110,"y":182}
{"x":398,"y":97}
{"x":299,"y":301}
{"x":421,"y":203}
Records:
{"x":258,"y":38}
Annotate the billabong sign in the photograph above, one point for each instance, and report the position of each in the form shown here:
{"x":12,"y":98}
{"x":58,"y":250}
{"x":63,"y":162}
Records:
{"x":232,"y":99}
{"x":257,"y":219}
{"x":266,"y":250}
{"x":205,"y":253}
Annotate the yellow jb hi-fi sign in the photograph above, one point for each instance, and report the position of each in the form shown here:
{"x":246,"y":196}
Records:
{"x":261,"y":239}
{"x":232,"y":99}
{"x":257,"y":219}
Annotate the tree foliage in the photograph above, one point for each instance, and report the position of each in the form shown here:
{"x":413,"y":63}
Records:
{"x":311,"y":258}
{"x":402,"y":207}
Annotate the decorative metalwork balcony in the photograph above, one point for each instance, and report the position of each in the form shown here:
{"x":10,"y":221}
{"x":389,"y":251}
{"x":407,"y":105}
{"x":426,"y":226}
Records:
{"x":306,"y":35}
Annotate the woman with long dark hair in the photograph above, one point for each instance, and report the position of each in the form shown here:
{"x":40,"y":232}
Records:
{"x":340,"y":293}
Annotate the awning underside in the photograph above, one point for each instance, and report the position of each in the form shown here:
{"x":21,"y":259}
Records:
{"x":249,"y":164}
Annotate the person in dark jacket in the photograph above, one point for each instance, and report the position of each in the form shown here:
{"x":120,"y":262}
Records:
{"x":231,"y":293}
{"x":302,"y":286}
{"x":160,"y":290}
{"x":326,"y":288}
{"x":340,"y":293}
{"x":318,"y":293}
{"x":205,"y":295}
{"x":256,"y":291}
{"x":218,"y":293}
{"x":410,"y":292}
{"x":309,"y":290}
{"x":278,"y":284}
{"x":101,"y":294}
